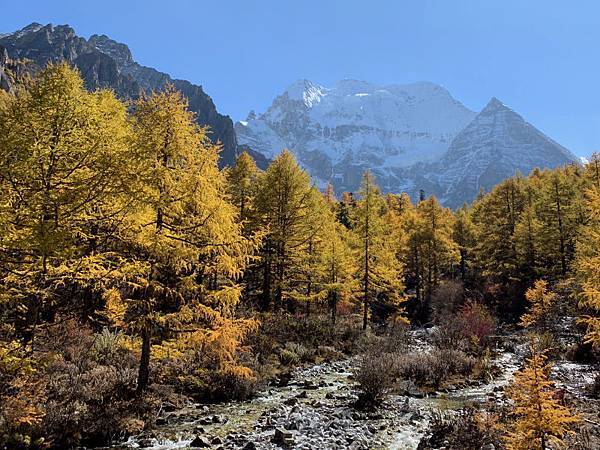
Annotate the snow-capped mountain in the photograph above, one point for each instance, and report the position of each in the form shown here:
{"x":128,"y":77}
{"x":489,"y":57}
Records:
{"x":413,"y":137}
{"x":338,"y":132}
{"x":497,"y":144}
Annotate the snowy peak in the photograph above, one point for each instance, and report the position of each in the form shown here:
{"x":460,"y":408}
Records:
{"x":358,"y":122}
{"x":337,"y":132}
{"x":496,"y":145}
{"x":412,"y":136}
{"x":494,"y":105}
{"x":305,"y":91}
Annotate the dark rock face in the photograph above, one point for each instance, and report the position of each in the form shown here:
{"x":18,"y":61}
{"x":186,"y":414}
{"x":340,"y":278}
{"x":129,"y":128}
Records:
{"x":5,"y":80}
{"x":105,"y":63}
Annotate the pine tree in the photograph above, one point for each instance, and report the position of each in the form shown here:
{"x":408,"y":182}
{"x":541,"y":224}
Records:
{"x":380,"y":271}
{"x":539,"y":419}
{"x":588,"y":267}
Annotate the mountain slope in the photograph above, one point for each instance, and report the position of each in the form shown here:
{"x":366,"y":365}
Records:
{"x":338,"y":132}
{"x":496,"y":145}
{"x":105,"y":63}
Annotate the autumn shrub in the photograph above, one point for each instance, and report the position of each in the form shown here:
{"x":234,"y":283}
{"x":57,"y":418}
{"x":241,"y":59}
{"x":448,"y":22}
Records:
{"x":304,"y":354}
{"x":465,"y":429}
{"x":288,"y":357}
{"x":229,"y":383}
{"x":79,"y":392}
{"x":21,"y":397}
{"x":211,"y":366}
{"x":477,"y":324}
{"x":549,"y":344}
{"x":91,"y":388}
{"x":431,"y":369}
{"x":448,"y":334}
{"x":446,"y":299}
{"x":106,"y":346}
{"x":375,"y":376}
{"x":396,"y":339}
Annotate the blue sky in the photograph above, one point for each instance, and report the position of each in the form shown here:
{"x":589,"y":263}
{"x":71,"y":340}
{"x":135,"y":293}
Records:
{"x":541,"y":58}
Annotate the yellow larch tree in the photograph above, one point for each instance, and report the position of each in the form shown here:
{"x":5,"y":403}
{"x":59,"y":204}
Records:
{"x":62,"y":153}
{"x":542,"y":304}
{"x":538,"y":418}
{"x":587,"y":266}
{"x":183,"y":250}
{"x":379,"y":269}
{"x":285,"y":204}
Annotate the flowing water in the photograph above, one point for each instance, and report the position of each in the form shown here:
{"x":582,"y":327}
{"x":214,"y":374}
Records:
{"x":315,"y":411}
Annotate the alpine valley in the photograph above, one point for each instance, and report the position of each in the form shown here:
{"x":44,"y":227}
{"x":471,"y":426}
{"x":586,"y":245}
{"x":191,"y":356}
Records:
{"x":413,"y":137}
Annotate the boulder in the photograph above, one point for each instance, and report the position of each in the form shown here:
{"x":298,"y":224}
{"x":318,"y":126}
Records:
{"x":283,"y":438}
{"x":200,"y":442}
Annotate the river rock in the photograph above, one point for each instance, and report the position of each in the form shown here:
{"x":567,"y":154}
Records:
{"x":283,"y":438}
{"x":200,"y":442}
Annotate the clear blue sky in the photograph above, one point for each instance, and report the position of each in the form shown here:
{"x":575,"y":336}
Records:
{"x":541,"y":57}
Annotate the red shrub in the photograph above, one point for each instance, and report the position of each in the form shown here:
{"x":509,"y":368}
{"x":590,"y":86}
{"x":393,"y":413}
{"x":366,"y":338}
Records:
{"x":477,"y":322}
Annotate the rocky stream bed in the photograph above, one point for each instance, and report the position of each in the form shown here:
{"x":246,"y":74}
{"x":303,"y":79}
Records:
{"x":314,"y":410}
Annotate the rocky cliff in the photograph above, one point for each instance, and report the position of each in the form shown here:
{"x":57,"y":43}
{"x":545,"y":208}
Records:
{"x":105,"y":63}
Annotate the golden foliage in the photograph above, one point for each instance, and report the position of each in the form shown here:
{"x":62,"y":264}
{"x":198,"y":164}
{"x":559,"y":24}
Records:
{"x":538,"y":417}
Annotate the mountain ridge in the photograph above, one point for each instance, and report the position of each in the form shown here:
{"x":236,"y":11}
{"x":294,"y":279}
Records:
{"x":413,"y":137}
{"x":106,"y":63}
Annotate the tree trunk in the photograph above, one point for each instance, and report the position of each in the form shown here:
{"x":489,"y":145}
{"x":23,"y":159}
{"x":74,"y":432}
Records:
{"x":365,"y":313}
{"x":563,"y":259}
{"x":144,"y":371}
{"x":333,"y":307}
{"x":266,"y":289}
{"x":463,"y":264}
